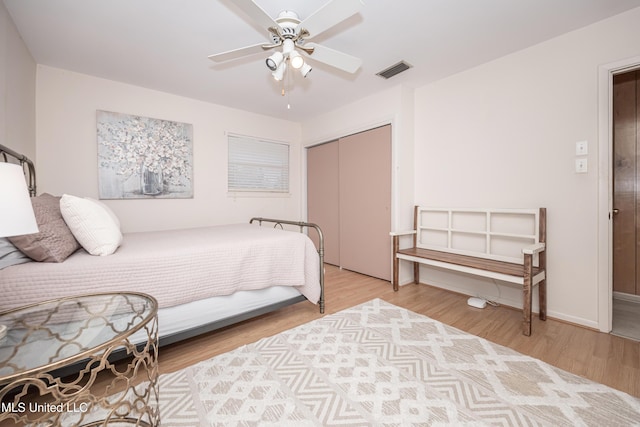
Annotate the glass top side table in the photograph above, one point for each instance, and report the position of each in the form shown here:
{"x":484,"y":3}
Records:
{"x":84,"y":332}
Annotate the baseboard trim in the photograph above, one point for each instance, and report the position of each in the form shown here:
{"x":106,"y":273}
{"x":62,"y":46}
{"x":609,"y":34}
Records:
{"x":626,"y":297}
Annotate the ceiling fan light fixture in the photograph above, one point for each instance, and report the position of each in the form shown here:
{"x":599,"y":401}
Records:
{"x":305,"y":69}
{"x":289,"y":35}
{"x":288,"y":46}
{"x":296,"y":60}
{"x":278,"y":73}
{"x":274,"y":61}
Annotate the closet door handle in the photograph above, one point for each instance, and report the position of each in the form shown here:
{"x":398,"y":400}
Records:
{"x":616,"y":211}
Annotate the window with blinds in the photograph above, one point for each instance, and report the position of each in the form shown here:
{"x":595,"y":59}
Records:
{"x":258,"y":165}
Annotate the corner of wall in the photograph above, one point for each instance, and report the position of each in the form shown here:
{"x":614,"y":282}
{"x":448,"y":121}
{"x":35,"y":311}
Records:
{"x":17,"y":89}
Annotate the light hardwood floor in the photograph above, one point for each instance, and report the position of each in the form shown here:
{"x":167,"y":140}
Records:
{"x":604,"y":358}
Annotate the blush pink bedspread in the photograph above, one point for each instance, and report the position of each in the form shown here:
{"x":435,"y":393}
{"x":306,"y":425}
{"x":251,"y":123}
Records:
{"x":176,"y":267}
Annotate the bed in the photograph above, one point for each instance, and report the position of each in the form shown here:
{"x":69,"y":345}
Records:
{"x":203,"y":278}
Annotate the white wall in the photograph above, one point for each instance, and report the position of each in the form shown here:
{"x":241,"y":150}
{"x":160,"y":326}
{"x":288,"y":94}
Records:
{"x":17,"y":90}
{"x":503,"y":135}
{"x":67,"y":150}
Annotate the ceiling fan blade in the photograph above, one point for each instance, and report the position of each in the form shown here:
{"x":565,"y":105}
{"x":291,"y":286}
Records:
{"x":329,"y":15}
{"x":256,"y":13}
{"x":334,"y":58}
{"x":239,"y":53}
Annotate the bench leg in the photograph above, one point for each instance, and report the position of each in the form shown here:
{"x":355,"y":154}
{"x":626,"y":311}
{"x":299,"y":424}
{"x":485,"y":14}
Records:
{"x":542,"y":296}
{"x":396,"y":263}
{"x":542,"y":286}
{"x":396,"y":267}
{"x":526,"y":294}
{"x":416,"y":273}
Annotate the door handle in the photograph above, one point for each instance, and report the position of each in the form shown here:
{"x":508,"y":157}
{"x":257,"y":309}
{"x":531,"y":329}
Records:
{"x":616,"y":211}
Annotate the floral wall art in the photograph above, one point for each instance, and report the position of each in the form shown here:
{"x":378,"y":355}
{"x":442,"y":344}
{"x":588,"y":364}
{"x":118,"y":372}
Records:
{"x":141,"y":157}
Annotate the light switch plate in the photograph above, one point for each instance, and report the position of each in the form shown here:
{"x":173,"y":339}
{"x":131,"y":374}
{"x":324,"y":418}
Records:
{"x":581,"y":165}
{"x":582,"y":148}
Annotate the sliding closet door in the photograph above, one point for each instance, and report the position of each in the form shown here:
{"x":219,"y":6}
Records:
{"x":323,"y":197}
{"x":365,"y":202}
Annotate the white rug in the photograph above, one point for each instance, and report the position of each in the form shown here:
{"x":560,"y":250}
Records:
{"x":378,"y":364}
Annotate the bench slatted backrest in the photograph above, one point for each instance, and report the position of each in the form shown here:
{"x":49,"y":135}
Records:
{"x":497,"y":234}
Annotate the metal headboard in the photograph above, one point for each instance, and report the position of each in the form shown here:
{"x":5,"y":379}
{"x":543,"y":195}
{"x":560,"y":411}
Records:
{"x":6,"y":152}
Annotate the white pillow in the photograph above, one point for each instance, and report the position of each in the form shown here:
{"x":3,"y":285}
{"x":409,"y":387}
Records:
{"x":93,"y":225}
{"x":108,"y":209}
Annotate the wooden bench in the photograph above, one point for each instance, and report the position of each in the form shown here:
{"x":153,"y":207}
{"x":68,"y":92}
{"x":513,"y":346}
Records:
{"x":502,"y":244}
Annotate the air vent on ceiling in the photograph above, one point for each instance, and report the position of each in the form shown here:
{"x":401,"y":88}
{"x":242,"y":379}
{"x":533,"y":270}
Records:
{"x":394,"y":69}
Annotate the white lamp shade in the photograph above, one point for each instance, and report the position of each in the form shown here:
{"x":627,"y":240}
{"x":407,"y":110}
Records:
{"x":278,"y":74}
{"x":274,"y":61}
{"x":306,"y":68}
{"x":296,"y":60}
{"x":16,"y":211}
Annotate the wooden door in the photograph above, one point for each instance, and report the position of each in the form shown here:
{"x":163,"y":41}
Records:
{"x":323,"y":197}
{"x":626,"y":180}
{"x":365,"y":202}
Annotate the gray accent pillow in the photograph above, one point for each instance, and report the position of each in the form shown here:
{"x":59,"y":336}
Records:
{"x":10,"y":255}
{"x":54,"y":242}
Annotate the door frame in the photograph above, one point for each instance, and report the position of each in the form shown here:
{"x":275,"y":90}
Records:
{"x":605,"y":186}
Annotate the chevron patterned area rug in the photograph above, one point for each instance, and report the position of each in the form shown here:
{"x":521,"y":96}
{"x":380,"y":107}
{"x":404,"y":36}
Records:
{"x":378,"y":364}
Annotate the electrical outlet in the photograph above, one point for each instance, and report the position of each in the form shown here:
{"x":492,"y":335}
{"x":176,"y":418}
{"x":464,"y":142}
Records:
{"x":581,"y":165}
{"x":582,"y":148}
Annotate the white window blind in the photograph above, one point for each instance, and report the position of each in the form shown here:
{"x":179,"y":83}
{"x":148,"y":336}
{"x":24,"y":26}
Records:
{"x":258,"y":165}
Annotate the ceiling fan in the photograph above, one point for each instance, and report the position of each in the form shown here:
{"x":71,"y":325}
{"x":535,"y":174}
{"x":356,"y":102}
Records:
{"x":291,"y":34}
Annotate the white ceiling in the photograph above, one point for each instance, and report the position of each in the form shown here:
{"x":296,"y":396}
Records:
{"x":164,"y":44}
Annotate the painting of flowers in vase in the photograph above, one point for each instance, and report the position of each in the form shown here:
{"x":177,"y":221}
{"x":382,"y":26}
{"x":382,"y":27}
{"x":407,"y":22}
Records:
{"x":141,"y":157}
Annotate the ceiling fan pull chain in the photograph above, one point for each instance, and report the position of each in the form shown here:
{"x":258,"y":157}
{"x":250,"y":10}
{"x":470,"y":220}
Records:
{"x":289,"y":91}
